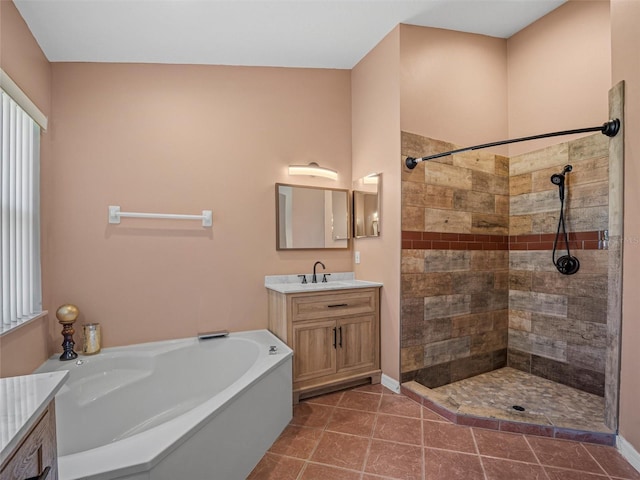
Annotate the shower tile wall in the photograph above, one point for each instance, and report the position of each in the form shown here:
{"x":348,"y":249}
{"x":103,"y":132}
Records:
{"x":479,"y":290}
{"x":455,"y":223}
{"x":557,"y":323}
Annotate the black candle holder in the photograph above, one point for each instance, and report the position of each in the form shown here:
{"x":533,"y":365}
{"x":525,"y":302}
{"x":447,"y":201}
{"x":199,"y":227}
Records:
{"x":67,"y":315}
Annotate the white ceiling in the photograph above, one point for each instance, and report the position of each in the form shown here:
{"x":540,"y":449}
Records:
{"x":288,"y":33}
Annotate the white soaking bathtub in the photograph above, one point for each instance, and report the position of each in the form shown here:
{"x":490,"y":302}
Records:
{"x":173,"y":410}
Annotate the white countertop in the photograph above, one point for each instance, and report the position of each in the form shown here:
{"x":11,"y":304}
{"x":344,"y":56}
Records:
{"x":22,"y":401}
{"x":335,"y":281}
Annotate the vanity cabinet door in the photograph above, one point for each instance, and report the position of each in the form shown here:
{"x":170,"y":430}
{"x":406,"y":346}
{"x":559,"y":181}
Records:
{"x":36,"y":456}
{"x":314,"y":351}
{"x":357,"y":343}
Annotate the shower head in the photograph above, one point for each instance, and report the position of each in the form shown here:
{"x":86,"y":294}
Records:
{"x":558,"y":178}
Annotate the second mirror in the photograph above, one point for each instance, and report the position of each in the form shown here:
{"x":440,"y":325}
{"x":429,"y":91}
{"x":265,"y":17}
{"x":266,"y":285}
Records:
{"x":366,"y":206}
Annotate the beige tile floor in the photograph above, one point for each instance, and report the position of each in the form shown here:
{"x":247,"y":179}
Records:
{"x":370,"y":433}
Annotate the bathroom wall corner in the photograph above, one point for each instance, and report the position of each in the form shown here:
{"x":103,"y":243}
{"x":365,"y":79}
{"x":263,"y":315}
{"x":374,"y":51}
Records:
{"x":375,"y":90}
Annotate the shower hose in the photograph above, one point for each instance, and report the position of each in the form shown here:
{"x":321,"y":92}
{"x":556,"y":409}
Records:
{"x":566,"y":264}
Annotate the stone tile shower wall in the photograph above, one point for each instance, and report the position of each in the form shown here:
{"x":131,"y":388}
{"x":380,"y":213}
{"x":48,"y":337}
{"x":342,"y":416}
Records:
{"x":479,"y":289}
{"x":455,"y":264}
{"x":558,"y":323}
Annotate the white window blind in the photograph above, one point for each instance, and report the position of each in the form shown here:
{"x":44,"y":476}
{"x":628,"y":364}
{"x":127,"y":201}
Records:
{"x":20,"y":283}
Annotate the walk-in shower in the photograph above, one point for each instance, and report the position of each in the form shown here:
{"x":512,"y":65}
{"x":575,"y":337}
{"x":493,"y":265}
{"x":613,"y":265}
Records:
{"x":480,"y":298}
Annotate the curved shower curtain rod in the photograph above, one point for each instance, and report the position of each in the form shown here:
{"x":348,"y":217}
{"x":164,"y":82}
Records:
{"x":610,"y":129}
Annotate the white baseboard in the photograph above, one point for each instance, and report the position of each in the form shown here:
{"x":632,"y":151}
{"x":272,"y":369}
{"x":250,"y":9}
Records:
{"x":630,"y":454}
{"x":390,"y":383}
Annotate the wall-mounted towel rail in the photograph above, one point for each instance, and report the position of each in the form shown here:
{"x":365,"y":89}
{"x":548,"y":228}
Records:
{"x":115,"y":214}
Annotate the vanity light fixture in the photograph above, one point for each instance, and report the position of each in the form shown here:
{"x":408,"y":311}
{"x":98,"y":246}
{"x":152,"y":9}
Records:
{"x":371,"y":179}
{"x":314,"y":170}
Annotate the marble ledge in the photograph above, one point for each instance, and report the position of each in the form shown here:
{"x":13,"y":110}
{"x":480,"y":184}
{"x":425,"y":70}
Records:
{"x":335,"y":281}
{"x":22,"y":400}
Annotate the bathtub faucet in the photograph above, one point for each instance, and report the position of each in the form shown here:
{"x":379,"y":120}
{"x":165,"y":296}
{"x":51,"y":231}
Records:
{"x":216,"y":334}
{"x":314,"y":279}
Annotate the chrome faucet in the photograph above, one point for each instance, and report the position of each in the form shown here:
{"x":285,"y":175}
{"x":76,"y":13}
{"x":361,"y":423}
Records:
{"x":314,"y":279}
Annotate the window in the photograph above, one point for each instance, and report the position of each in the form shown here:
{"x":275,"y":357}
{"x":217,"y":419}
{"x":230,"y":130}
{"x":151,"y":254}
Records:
{"x":20,"y":283}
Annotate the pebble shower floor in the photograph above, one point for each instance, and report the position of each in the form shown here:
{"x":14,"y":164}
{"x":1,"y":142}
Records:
{"x":494,"y":394}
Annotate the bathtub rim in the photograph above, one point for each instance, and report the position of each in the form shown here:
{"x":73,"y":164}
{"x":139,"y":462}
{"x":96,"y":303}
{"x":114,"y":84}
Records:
{"x":143,"y":451}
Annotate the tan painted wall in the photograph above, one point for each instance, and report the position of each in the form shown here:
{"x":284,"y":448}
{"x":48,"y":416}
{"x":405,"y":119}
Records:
{"x":559,"y":74}
{"x":180,"y":139}
{"x":453,"y":85}
{"x":375,"y":84}
{"x":625,"y":40}
{"x":21,"y":58}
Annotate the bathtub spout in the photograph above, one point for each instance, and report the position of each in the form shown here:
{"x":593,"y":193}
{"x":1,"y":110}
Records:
{"x":216,"y":334}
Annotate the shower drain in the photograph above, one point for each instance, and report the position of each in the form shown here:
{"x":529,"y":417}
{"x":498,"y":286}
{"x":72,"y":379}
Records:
{"x":518,"y":408}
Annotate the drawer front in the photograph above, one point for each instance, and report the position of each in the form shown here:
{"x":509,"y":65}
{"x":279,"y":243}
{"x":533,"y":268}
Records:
{"x":352,"y":302}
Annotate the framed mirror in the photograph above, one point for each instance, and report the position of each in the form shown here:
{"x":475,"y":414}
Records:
{"x":311,"y":217}
{"x":366,"y":206}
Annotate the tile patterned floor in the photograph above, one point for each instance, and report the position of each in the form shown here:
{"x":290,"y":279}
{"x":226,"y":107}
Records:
{"x":494,"y":394}
{"x":370,"y":433}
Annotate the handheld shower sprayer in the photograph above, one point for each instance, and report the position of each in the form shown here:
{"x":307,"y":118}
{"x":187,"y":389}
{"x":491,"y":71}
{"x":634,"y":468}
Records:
{"x":566,"y":264}
{"x":558,"y":179}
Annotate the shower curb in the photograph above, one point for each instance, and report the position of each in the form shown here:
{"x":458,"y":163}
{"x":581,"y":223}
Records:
{"x":510,"y":426}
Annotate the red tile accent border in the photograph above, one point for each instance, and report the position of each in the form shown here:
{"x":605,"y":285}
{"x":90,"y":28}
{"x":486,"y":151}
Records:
{"x":544,"y":241}
{"x":453,"y":241}
{"x":599,"y":438}
{"x":467,"y":241}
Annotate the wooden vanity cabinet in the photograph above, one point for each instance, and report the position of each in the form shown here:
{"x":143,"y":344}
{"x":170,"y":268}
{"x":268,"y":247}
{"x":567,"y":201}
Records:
{"x":35,"y":458}
{"x":334,"y":334}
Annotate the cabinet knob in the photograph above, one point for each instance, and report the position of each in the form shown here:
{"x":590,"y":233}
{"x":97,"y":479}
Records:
{"x":42,"y":476}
